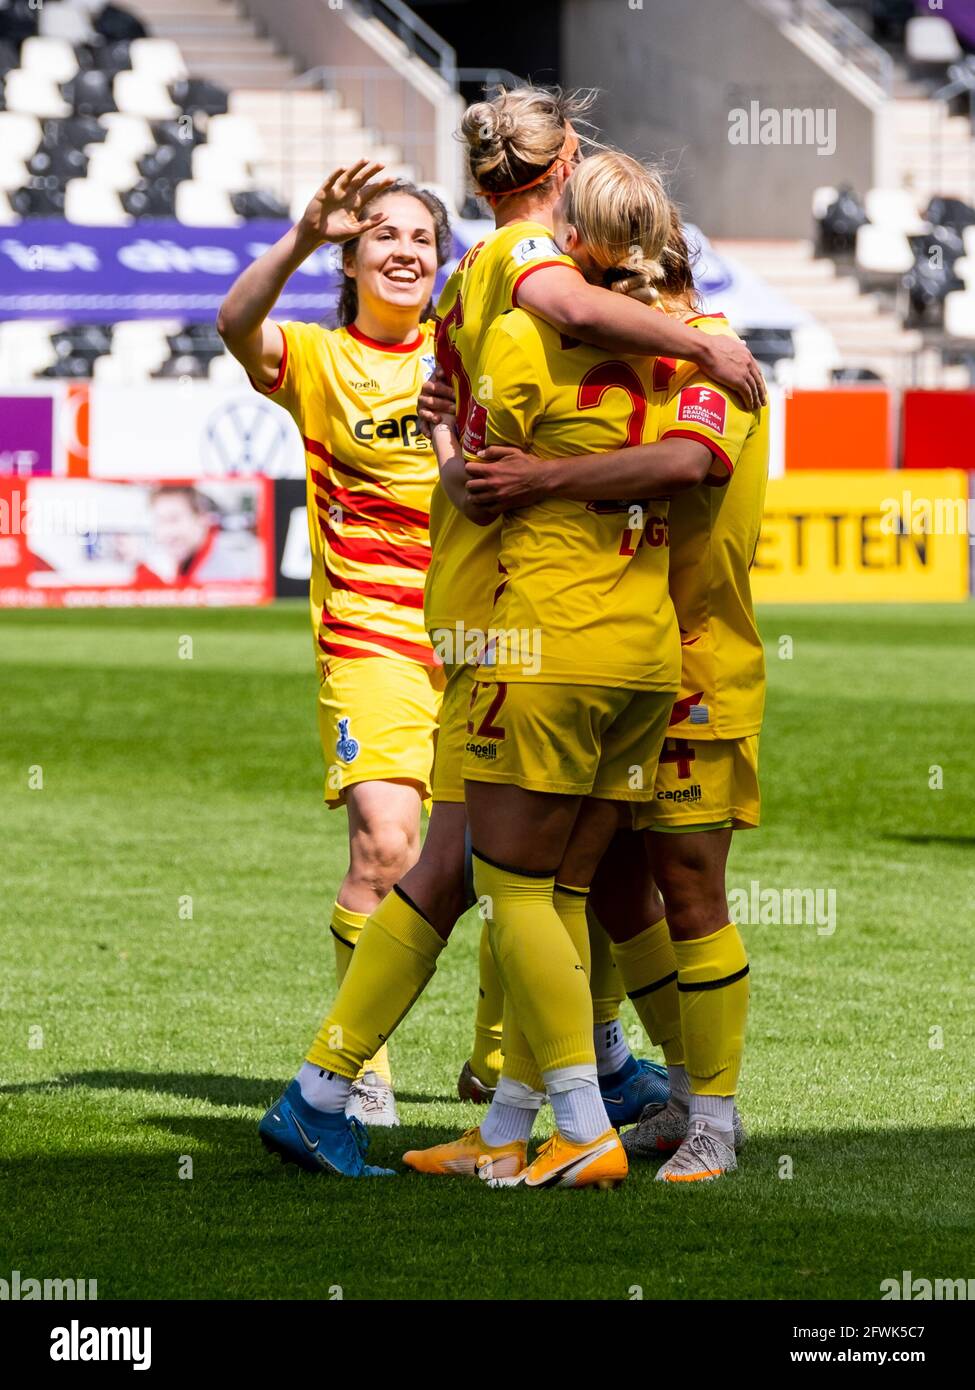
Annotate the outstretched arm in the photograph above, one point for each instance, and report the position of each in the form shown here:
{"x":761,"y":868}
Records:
{"x":453,"y":478}
{"x":331,"y":216}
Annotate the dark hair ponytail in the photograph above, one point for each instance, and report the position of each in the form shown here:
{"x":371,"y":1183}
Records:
{"x":348,"y":302}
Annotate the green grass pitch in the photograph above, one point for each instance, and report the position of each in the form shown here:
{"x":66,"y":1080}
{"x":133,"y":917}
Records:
{"x":132,"y":1036}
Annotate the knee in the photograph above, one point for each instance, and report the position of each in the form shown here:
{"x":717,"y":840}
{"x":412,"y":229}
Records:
{"x":381,"y":853}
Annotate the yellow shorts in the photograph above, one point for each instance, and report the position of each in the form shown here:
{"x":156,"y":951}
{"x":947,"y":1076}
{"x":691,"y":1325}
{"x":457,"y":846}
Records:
{"x":704,"y":784}
{"x":377,"y":718}
{"x":576,"y":740}
{"x":448,"y":773}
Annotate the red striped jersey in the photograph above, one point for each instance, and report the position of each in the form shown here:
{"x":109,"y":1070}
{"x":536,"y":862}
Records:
{"x":370,"y":474}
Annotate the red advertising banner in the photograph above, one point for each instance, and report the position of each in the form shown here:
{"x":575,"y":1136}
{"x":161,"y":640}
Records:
{"x":938,"y":429}
{"x":85,"y":542}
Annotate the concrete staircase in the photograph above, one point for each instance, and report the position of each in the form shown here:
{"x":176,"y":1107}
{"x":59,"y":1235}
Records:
{"x":304,"y":132}
{"x":865,"y":329}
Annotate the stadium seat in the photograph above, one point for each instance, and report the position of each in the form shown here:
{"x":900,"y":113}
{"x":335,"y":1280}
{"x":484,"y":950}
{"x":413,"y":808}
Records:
{"x":836,"y":231}
{"x":88,"y":340}
{"x":25,"y":349}
{"x":115,"y":23}
{"x":150,"y":200}
{"x":7,"y":214}
{"x":112,"y":168}
{"x":158,"y":60}
{"x":199,"y":94}
{"x":33,"y":94}
{"x":895,"y":210}
{"x":175,"y":368}
{"x":109,"y":58}
{"x":52,"y":58}
{"x":182,"y":132}
{"x":220,"y":168}
{"x":128,"y":135}
{"x":67,"y":369}
{"x":237,"y":135}
{"x":931,"y":45}
{"x":968,"y":241}
{"x":92,"y":203}
{"x":964,"y":269}
{"x":822,"y":200}
{"x":90,"y":93}
{"x":18,"y":21}
{"x":138,"y":95}
{"x":59,"y":161}
{"x":38,"y":198}
{"x":769,"y":345}
{"x":960,"y":315}
{"x":64,"y":22}
{"x":76,"y":132}
{"x":167,"y":162}
{"x":257,"y":204}
{"x":9,"y":57}
{"x":225,"y":370}
{"x":200,"y":205}
{"x":883,"y":257}
{"x":950,"y":212}
{"x":13,"y":173}
{"x":20,"y":134}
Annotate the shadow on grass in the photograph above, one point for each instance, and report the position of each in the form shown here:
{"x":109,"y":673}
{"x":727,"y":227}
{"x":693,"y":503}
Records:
{"x":961,"y":841}
{"x":218,"y":1090}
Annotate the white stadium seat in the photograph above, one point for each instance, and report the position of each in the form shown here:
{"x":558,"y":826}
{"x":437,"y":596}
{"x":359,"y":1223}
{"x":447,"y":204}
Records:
{"x":20,"y":135}
{"x":894,"y":209}
{"x":931,"y":39}
{"x":122,"y":371}
{"x":33,"y":94}
{"x":138,"y":95}
{"x":64,"y":21}
{"x":7,"y":214}
{"x":53,"y":58}
{"x":964,"y":268}
{"x":968,"y":237}
{"x":25,"y":349}
{"x":159,"y":60}
{"x":93,"y":204}
{"x":883,"y":252}
{"x":128,"y":135}
{"x":221,"y":169}
{"x":111,"y":167}
{"x":227,"y":371}
{"x":13,"y":173}
{"x":201,"y":205}
{"x":960,"y":315}
{"x":822,"y":200}
{"x":237,"y":135}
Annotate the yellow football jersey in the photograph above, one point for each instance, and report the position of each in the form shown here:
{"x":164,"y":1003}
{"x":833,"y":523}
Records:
{"x":464,"y":568}
{"x":370,"y":473}
{"x":584,"y":598}
{"x":713,"y":534}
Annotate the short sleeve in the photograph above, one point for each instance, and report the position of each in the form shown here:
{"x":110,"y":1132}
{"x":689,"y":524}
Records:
{"x":533,"y":252}
{"x":300,"y":343}
{"x":698,"y":409}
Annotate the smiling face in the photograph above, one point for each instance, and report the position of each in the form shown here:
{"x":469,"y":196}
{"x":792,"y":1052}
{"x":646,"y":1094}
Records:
{"x":395,"y":264}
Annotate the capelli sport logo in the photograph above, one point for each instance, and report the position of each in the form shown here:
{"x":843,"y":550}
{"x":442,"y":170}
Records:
{"x":400,"y":430}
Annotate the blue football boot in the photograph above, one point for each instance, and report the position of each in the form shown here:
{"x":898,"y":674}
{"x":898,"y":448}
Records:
{"x":317,"y":1141}
{"x":626,"y":1092}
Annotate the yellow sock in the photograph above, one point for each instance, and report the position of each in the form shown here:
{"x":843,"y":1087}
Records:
{"x":539,"y":966}
{"x":487,"y":1057}
{"x":570,"y":903}
{"x":712,"y":983}
{"x":396,"y":954}
{"x":518,"y":1064}
{"x":346,"y":928}
{"x":648,"y":970}
{"x":604,"y":976}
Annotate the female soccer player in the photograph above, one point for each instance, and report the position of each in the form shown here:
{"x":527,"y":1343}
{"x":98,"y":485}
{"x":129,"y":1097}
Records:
{"x":352,"y":392}
{"x":686,"y":971}
{"x":522,"y":148}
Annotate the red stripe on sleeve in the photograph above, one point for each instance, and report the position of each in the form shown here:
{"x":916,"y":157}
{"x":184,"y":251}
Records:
{"x":530,"y":270}
{"x":716,"y":449}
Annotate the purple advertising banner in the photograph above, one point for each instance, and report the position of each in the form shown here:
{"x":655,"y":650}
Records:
{"x":26,"y":435}
{"x":960,"y":14}
{"x":58,"y":270}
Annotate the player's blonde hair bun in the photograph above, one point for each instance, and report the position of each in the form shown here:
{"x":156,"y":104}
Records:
{"x":518,"y":134}
{"x":624,"y":219}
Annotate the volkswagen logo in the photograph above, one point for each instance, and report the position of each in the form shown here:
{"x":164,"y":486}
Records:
{"x":250,"y":436}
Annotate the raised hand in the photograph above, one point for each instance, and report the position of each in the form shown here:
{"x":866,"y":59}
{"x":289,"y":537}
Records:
{"x":333,"y":213}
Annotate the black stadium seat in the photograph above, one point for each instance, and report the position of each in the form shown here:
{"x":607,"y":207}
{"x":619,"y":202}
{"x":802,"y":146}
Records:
{"x":38,"y":198}
{"x":90,"y":93}
{"x":86,"y":340}
{"x":182,"y":134}
{"x":256,"y":203}
{"x":199,"y":94}
{"x":770,"y":345}
{"x":68,"y":368}
{"x":60,"y":161}
{"x":932,"y":277}
{"x":105,"y":57}
{"x":949,"y":212}
{"x":167,"y":162}
{"x":181,"y":366}
{"x":9,"y":57}
{"x":18,"y":21}
{"x":147,"y":200}
{"x":199,"y":340}
{"x":74,"y":132}
{"x":836,"y":233}
{"x":115,"y":24}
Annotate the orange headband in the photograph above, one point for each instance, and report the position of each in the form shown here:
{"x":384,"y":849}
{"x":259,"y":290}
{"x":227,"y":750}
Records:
{"x":495,"y":198}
